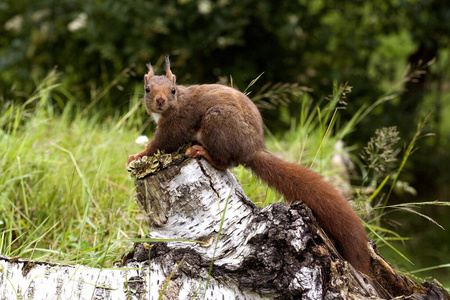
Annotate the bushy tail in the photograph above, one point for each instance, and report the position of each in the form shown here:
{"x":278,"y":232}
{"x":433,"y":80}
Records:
{"x":332,"y":211}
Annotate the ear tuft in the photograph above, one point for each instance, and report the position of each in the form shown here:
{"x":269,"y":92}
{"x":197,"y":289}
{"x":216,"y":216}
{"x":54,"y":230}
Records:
{"x":169,"y":73}
{"x":149,"y":74}
{"x":167,"y":63}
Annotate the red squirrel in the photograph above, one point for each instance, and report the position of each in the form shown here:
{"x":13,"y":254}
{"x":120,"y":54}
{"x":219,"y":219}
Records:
{"x":229,"y":128}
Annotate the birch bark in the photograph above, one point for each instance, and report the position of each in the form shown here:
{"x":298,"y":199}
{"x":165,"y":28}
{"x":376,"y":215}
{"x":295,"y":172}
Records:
{"x":207,"y":240}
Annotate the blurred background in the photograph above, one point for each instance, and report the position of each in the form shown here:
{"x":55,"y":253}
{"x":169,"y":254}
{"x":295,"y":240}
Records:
{"x":398,"y":49}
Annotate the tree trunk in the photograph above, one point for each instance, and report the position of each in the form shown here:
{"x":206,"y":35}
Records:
{"x":208,"y":240}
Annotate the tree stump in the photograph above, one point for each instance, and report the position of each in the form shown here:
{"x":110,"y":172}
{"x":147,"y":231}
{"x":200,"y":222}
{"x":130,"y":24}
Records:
{"x":207,"y":240}
{"x":214,"y":232}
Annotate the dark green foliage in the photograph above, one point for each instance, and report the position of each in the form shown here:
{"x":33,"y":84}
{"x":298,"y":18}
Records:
{"x":311,"y":42}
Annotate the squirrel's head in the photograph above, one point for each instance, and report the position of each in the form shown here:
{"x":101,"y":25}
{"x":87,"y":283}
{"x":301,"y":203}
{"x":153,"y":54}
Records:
{"x":160,"y":91}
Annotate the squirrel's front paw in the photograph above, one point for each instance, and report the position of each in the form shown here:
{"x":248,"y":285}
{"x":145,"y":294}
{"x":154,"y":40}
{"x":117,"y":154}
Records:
{"x":134,"y":157}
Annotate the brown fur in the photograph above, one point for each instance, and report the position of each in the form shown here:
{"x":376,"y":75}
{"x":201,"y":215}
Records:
{"x":230,"y":128}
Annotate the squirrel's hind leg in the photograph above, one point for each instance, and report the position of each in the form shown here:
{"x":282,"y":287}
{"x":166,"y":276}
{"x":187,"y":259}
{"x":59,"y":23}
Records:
{"x":197,"y":151}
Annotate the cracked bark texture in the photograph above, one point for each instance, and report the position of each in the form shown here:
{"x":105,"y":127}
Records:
{"x":214,"y":243}
{"x":277,"y":252}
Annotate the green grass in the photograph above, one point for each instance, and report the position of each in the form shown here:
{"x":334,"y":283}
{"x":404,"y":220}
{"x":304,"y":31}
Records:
{"x":65,"y":195}
{"x":64,"y":192}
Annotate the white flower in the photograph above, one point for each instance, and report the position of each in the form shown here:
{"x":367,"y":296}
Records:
{"x":78,"y":23}
{"x":204,"y":7}
{"x":15,"y":23}
{"x":142,"y":140}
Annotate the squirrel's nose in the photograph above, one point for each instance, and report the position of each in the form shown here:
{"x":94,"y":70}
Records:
{"x":160,"y":101}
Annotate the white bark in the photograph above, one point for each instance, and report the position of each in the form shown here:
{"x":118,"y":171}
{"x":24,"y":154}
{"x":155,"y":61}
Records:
{"x":137,"y":281}
{"x":277,"y":252}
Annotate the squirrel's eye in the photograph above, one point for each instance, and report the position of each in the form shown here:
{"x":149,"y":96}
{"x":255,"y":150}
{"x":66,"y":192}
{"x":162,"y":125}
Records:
{"x":147,"y":89}
{"x":173,"y":91}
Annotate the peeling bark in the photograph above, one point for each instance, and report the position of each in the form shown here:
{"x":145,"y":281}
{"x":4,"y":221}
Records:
{"x":215,"y":243}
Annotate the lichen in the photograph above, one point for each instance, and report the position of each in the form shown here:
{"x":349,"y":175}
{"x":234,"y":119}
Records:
{"x":160,"y":160}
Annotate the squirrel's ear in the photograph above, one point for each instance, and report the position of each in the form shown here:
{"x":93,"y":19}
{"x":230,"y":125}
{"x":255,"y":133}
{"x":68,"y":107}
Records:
{"x":149,"y":74}
{"x":169,"y":73}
